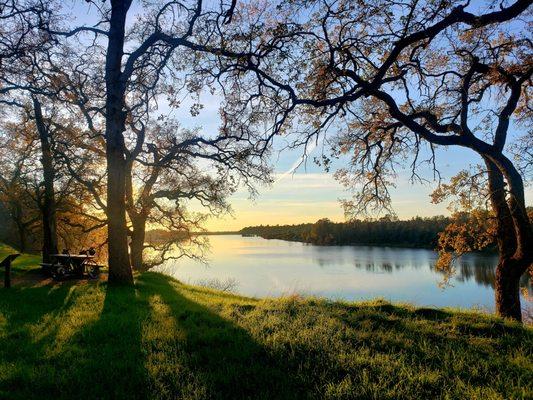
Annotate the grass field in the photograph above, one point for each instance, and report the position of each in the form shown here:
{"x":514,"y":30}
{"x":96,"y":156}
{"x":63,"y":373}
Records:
{"x":23,"y":264}
{"x":163,"y":339}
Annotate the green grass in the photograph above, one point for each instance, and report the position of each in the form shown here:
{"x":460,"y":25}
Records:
{"x":22,"y":265}
{"x":164,"y":339}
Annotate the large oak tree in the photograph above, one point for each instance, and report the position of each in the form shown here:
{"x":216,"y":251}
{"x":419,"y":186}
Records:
{"x":132,"y":57}
{"x":394,"y":81}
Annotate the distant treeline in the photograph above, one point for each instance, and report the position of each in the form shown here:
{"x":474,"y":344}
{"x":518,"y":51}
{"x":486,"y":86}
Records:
{"x":416,"y":232}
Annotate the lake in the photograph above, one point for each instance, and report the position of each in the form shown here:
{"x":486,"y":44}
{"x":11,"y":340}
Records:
{"x":269,"y":268}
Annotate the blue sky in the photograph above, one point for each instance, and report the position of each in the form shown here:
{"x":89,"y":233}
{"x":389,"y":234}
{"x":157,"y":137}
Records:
{"x":309,"y":193}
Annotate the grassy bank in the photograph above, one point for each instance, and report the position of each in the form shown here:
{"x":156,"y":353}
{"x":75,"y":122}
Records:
{"x":23,"y":266}
{"x":164,"y":339}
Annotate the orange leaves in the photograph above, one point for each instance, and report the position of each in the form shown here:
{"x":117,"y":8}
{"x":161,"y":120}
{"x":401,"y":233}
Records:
{"x":467,"y":232}
{"x":471,"y":231}
{"x":467,"y":190}
{"x":320,"y":82}
{"x":473,"y":226}
{"x":445,"y":263}
{"x":437,"y":61}
{"x":468,"y":35}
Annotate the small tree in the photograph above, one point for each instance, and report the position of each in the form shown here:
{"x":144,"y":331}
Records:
{"x":176,"y":169}
{"x":18,"y":187}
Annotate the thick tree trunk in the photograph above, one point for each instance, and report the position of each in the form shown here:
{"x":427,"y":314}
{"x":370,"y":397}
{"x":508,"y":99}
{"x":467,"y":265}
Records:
{"x":137,"y":243}
{"x":48,"y":207}
{"x":513,"y":239}
{"x":507,"y":289}
{"x":119,"y":262}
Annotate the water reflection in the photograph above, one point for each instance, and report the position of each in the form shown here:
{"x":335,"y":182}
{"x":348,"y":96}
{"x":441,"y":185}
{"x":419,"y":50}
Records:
{"x":482,"y":274}
{"x":477,"y":269}
{"x":265,"y":268}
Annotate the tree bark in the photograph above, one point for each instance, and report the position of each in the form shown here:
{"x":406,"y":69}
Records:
{"x":118,"y":259}
{"x":507,"y":289}
{"x":514,"y":241}
{"x":138,"y":222}
{"x":48,"y":206}
{"x":139,"y":217}
{"x":16,"y":215}
{"x":137,"y":243}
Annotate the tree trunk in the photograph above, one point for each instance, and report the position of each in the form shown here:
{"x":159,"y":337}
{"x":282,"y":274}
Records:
{"x":48,"y":207}
{"x":16,"y":214}
{"x":119,"y":262}
{"x":138,"y":218}
{"x":514,"y":243}
{"x":22,"y":238}
{"x":137,"y":243}
{"x":507,"y":289}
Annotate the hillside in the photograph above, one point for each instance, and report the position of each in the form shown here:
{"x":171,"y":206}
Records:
{"x":165,"y":339}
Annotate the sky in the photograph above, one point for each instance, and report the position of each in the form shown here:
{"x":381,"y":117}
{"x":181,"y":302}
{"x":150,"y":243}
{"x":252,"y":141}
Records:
{"x":307,"y":193}
{"x":309,"y":196}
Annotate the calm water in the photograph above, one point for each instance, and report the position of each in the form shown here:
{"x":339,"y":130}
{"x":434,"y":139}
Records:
{"x":266,"y":268}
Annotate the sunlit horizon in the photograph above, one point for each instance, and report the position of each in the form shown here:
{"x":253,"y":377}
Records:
{"x":307,"y":197}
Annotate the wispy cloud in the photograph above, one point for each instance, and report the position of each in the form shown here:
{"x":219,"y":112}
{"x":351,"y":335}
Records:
{"x":309,"y":149}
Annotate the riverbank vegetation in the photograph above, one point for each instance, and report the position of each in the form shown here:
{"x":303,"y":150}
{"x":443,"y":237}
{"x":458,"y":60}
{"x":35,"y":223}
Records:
{"x":387,"y":231}
{"x":163,"y":339}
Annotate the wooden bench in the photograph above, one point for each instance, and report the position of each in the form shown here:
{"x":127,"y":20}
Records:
{"x":6,"y":263}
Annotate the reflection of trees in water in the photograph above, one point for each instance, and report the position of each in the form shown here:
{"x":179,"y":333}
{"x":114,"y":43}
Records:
{"x":481,"y":270}
{"x":485,"y":274}
{"x":477,"y":267}
{"x":482,"y":273}
{"x":378,"y":267}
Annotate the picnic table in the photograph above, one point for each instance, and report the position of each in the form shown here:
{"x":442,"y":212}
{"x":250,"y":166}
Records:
{"x":72,"y":265}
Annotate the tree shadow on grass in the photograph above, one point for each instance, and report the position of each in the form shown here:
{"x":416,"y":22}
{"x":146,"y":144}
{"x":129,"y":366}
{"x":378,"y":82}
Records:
{"x":158,"y":340}
{"x":144,"y":342}
{"x":104,"y":359}
{"x":200,"y":354}
{"x":27,"y":328}
{"x":67,"y":342}
{"x":27,"y":305}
